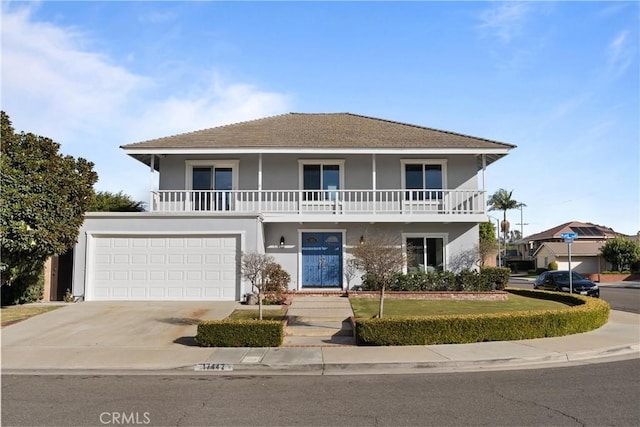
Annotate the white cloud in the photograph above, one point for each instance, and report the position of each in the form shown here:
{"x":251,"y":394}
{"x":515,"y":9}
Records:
{"x":53,"y":84}
{"x":504,"y":20}
{"x":620,"y":53}
{"x":214,"y":103}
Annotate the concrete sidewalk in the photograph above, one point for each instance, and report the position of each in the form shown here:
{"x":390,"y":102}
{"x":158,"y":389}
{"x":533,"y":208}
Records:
{"x":101,"y":338}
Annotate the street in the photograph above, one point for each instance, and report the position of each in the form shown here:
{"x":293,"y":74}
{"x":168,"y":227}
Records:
{"x":596,"y":394}
{"x":618,"y":297}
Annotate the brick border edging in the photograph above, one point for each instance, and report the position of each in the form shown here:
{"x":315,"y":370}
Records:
{"x":609,"y":278}
{"x":434,"y":295}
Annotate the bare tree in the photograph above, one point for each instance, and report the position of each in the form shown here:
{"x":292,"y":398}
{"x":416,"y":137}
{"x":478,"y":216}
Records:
{"x":380,"y":256}
{"x":350,"y":271}
{"x":255,"y":268}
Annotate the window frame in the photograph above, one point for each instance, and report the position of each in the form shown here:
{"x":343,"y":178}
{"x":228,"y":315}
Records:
{"x":321,"y":162}
{"x":192,"y":164}
{"x":423,"y":236}
{"x":423,"y":162}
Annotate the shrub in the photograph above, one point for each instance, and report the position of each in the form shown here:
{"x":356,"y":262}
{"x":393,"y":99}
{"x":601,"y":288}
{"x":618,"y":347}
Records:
{"x":553,"y":265}
{"x":496,"y":277}
{"x":276,"y":285}
{"x":446,"y":281}
{"x":26,"y":288}
{"x":584,"y":314}
{"x":468,"y":280}
{"x":240,"y":333}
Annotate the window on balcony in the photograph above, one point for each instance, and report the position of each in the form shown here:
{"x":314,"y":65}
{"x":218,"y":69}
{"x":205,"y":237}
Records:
{"x":422,"y":178}
{"x":425,"y":253}
{"x":320,"y":179}
{"x":211,"y":183}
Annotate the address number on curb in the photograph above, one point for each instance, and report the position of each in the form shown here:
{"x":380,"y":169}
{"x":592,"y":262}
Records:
{"x":213,"y":367}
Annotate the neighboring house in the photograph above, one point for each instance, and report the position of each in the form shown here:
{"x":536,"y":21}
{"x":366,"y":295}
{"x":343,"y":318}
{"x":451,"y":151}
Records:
{"x":585,"y":256}
{"x":548,"y":246}
{"x":304,"y":188}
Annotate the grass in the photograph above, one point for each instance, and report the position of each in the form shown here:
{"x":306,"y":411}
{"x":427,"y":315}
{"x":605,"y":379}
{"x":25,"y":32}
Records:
{"x":253,"y":314}
{"x":15,"y":313}
{"x":368,"y":307}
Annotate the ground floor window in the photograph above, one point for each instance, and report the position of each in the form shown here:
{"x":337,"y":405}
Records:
{"x":425,"y":253}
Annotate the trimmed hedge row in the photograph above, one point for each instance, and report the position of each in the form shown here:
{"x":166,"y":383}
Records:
{"x":585,"y":314}
{"x":488,"y":279}
{"x":240,"y":333}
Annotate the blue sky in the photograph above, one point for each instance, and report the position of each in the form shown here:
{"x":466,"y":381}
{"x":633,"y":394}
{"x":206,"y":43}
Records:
{"x":558,"y":79}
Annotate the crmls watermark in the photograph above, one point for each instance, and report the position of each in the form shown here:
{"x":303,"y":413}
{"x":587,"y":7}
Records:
{"x":124,"y":418}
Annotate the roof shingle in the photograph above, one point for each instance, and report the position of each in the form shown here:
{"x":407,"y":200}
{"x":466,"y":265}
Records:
{"x":323,"y":131}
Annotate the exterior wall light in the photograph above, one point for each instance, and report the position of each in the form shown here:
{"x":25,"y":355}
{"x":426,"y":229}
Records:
{"x":282,"y":241}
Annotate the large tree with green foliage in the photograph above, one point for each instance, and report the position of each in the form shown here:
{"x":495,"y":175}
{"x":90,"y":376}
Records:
{"x":620,"y":252}
{"x":502,"y":200}
{"x":105,"y":201}
{"x":44,"y":197}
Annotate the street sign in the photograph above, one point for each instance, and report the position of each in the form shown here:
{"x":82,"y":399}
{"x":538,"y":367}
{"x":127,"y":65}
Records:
{"x":568,"y":235}
{"x":568,"y":239}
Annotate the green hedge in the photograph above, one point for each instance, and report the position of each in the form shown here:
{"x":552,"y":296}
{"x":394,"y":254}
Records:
{"x":240,"y":333}
{"x":583,"y":315}
{"x":487,"y":279}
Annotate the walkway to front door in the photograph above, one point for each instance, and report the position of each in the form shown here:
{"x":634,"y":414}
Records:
{"x":322,"y":259}
{"x":319,"y":321}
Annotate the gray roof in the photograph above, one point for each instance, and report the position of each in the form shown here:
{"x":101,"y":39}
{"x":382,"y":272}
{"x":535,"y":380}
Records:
{"x":329,"y":131}
{"x":333,"y":130}
{"x":577,"y":248}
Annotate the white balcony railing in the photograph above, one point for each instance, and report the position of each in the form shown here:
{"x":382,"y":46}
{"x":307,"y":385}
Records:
{"x":334,"y":202}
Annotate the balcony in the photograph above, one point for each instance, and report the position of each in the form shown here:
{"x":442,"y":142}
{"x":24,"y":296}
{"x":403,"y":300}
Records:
{"x":332,"y":205}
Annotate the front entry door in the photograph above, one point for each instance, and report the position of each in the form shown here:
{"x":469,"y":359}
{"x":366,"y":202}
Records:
{"x":322,"y":260}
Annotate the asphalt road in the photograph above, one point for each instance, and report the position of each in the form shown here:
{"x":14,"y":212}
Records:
{"x":619,"y":298}
{"x":599,"y":394}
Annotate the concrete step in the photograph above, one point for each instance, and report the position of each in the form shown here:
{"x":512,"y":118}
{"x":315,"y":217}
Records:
{"x":329,"y":341}
{"x":333,"y":313}
{"x":319,"y":322}
{"x":314,"y":331}
{"x":314,"y":320}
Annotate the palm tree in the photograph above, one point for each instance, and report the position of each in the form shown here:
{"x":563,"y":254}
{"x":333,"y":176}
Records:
{"x":501,"y":201}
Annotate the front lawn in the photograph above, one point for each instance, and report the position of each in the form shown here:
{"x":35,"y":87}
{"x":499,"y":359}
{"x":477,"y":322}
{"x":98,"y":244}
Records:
{"x":252,"y":314}
{"x":368,"y":307}
{"x":15,"y":313}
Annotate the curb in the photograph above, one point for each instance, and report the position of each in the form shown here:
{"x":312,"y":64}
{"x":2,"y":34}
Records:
{"x":557,"y":359}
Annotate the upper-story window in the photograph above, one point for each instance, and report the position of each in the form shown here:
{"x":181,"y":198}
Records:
{"x":211,"y":182}
{"x":420,"y":176}
{"x":320,"y":178}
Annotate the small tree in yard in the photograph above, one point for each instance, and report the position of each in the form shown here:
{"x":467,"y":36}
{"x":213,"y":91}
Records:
{"x":620,"y":252}
{"x":488,"y":244}
{"x":380,"y":256}
{"x":260,"y":269}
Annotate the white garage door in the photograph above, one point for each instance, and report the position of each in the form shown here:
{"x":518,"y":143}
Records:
{"x":163,"y":268}
{"x":582,"y":265}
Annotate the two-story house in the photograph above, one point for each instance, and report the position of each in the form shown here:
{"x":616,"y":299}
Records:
{"x":304,"y":188}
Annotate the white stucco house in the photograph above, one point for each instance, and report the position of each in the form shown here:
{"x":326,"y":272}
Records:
{"x":304,"y":188}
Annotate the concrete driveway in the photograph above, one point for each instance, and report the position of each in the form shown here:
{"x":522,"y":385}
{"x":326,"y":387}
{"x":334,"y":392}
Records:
{"x":111,"y":335}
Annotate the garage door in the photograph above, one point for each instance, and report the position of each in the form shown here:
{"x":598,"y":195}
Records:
{"x":168,"y":268}
{"x":582,"y":265}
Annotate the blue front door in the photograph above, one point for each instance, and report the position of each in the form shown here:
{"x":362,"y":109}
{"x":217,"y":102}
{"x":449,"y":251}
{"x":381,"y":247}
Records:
{"x":322,"y":260}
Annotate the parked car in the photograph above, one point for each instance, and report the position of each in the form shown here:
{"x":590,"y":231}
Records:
{"x":558,"y":280}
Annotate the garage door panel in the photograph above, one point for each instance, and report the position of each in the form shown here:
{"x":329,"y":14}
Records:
{"x":164,"y":268}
